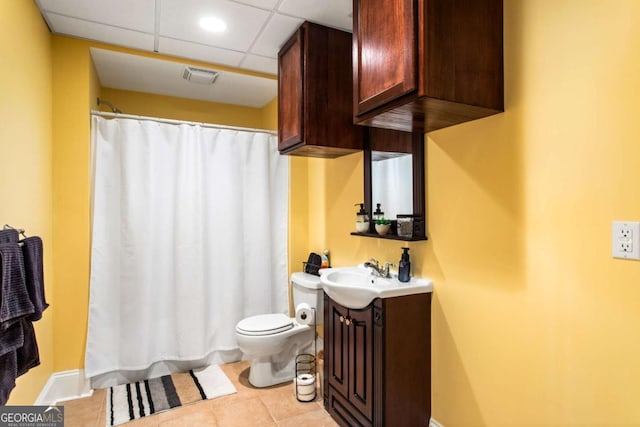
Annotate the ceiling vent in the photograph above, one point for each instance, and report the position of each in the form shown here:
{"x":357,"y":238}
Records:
{"x":199,"y":75}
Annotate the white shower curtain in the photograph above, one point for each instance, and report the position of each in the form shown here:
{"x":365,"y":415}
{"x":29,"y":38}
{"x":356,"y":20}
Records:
{"x":189,"y":236}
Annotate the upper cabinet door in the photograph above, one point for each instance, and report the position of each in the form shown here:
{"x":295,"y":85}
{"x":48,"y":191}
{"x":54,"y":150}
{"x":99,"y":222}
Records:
{"x":422,"y":65}
{"x":384,"y":51}
{"x":290,"y":96}
{"x":315,"y":106}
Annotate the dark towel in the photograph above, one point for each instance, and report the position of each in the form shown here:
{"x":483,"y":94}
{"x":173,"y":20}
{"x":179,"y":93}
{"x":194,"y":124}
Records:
{"x":9,"y":236}
{"x":11,"y":339}
{"x":18,"y":288}
{"x":27,"y":356}
{"x":18,"y":354}
{"x":8,"y":374}
{"x":14,"y":298}
{"x":34,"y":277}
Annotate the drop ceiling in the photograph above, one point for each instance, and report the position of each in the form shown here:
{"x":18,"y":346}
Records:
{"x":256,"y":29}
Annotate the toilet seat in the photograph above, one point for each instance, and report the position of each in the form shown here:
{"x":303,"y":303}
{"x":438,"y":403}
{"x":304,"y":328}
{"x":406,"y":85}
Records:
{"x":265,"y":324}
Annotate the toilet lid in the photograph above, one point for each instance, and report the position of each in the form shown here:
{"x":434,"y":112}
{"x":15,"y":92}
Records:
{"x":265,"y":324}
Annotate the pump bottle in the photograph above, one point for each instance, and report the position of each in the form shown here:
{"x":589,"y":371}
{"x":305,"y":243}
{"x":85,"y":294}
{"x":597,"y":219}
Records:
{"x":404,"y":266}
{"x":362,"y":219}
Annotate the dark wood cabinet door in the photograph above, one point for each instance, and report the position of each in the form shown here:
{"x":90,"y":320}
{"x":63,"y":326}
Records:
{"x":315,"y":95}
{"x":384,"y":51}
{"x":422,"y":65}
{"x":361,"y":360}
{"x":290,"y":92}
{"x":337,"y":353}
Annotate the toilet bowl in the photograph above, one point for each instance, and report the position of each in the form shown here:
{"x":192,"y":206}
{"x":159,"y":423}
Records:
{"x":272,"y":341}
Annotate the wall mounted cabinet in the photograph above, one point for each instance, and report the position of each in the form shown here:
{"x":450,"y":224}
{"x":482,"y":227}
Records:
{"x":315,"y":106}
{"x":426,"y":65}
{"x":378,"y":362}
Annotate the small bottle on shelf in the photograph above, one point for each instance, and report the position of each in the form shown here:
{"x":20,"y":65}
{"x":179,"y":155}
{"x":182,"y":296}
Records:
{"x":325,"y":259}
{"x":362,"y":219}
{"x":378,"y":214}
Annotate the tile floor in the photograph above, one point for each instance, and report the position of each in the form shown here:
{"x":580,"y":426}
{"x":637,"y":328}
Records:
{"x":256,"y":407}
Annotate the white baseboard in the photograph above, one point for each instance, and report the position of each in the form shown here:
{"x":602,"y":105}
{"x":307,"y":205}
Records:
{"x":63,"y":386}
{"x":434,"y":423}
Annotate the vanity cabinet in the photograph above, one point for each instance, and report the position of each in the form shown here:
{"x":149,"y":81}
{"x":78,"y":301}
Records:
{"x":425,"y":65}
{"x":315,"y":106}
{"x":350,"y":363}
{"x":378,"y":362}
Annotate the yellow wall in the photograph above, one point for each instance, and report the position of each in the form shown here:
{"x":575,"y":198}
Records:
{"x":533,"y":322}
{"x":270,"y":115}
{"x":145,"y":104}
{"x":72,"y":91}
{"x":25,"y":144}
{"x":95,"y":90}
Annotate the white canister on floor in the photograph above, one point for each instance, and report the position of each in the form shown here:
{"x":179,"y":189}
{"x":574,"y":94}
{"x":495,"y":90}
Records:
{"x":305,"y":387}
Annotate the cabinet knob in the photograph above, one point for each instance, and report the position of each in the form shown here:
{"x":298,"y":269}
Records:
{"x":347,"y":321}
{"x":341,"y":319}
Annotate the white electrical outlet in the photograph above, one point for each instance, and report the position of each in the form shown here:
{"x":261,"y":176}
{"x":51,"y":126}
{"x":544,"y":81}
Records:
{"x":625,"y":239}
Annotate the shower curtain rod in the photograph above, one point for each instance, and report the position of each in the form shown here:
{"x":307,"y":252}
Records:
{"x":178,"y":122}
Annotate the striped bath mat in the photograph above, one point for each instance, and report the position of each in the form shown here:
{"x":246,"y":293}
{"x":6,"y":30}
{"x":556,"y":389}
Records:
{"x":128,"y":402}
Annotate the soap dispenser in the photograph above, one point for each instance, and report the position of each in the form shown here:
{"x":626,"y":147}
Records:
{"x":362,"y":219}
{"x":378,"y":214}
{"x":404,"y":266}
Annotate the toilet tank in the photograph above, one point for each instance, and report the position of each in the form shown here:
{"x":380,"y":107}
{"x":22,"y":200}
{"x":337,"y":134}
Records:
{"x":308,"y":289}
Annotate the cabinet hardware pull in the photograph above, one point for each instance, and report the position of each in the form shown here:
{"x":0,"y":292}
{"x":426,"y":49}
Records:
{"x":347,"y":321}
{"x":341,"y":319}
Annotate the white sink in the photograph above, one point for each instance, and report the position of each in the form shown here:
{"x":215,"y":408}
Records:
{"x":356,"y":287}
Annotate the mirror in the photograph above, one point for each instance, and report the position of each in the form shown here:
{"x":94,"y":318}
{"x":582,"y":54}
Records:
{"x":394,"y":177}
{"x":392,"y":182}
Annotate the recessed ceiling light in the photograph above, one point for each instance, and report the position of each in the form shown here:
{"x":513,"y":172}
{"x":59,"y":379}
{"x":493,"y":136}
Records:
{"x":213,"y":24}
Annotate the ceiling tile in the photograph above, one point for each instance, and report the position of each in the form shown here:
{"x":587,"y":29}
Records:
{"x":262,"y":4}
{"x":255,"y":33}
{"x":118,"y":70}
{"x":199,"y":52}
{"x":143,"y":74}
{"x":100,"y":32}
{"x":255,"y":91}
{"x":260,"y":64}
{"x":275,"y":34}
{"x":136,"y":15}
{"x":179,"y":20}
{"x":333,"y":13}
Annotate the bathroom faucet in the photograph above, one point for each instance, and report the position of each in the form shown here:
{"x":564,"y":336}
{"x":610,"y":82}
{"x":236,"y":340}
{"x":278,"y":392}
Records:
{"x":377,"y":269}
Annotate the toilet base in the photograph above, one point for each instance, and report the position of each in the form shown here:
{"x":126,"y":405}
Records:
{"x":264,"y":372}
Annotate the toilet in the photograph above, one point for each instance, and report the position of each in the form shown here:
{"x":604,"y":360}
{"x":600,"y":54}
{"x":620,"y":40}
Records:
{"x":272,"y":341}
